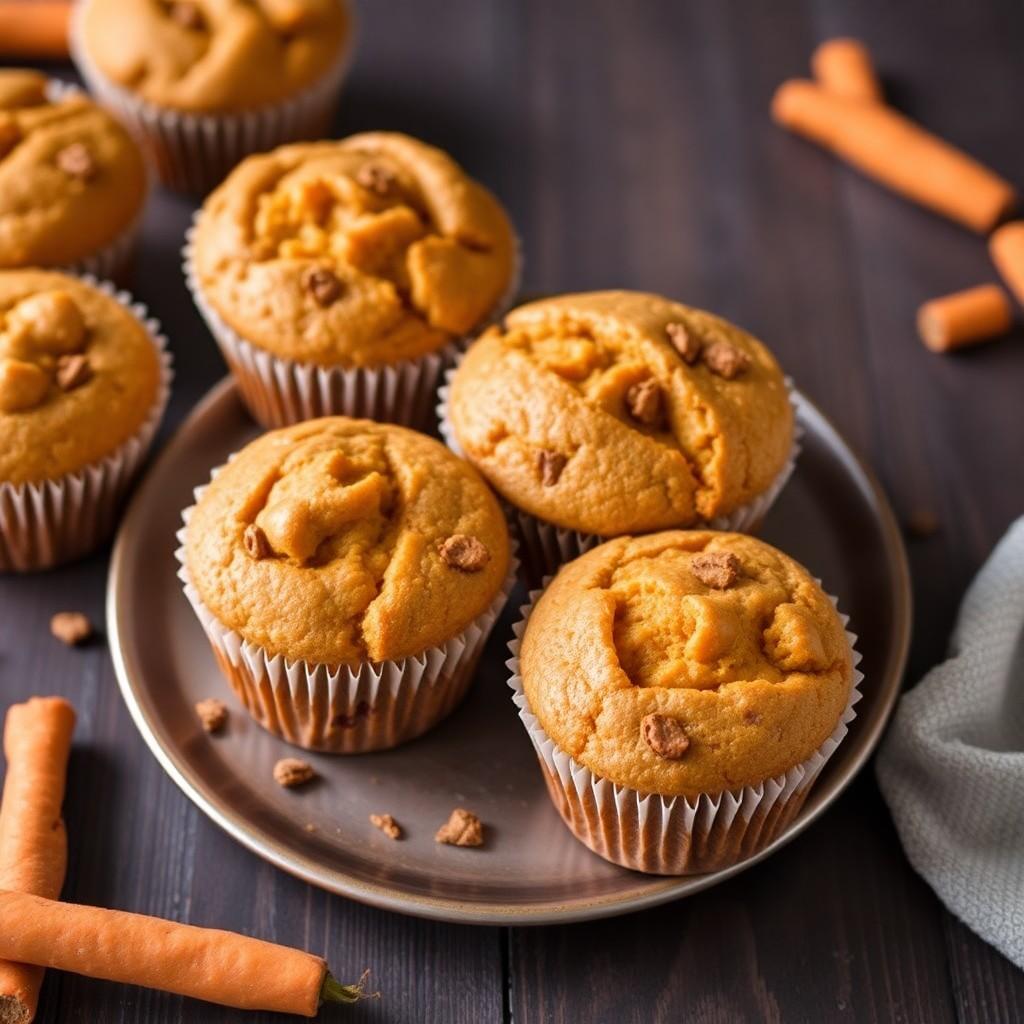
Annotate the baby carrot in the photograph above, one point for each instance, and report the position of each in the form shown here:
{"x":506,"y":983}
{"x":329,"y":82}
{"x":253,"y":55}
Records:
{"x":843,"y":67}
{"x":964,"y":318}
{"x":204,"y":963}
{"x":897,"y":152}
{"x":1006,"y":247}
{"x":34,"y":28}
{"x":33,"y":843}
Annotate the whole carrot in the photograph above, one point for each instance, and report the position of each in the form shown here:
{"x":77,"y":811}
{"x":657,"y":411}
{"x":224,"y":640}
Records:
{"x":204,"y":963}
{"x":33,"y":843}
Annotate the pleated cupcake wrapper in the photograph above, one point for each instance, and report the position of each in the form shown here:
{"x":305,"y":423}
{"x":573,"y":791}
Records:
{"x":55,"y":521}
{"x":194,"y":152}
{"x":543,"y":546}
{"x":280,"y":391}
{"x":342,"y":709}
{"x":671,"y":835}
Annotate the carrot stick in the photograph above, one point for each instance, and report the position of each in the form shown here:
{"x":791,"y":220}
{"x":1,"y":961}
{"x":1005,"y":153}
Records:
{"x":1006,"y":247}
{"x":34,"y":28}
{"x":204,"y":963}
{"x":843,"y":67}
{"x":964,"y":318}
{"x":897,"y":152}
{"x":33,"y":843}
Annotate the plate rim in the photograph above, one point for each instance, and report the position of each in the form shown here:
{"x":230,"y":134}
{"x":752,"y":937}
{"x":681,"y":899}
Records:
{"x":490,"y":913}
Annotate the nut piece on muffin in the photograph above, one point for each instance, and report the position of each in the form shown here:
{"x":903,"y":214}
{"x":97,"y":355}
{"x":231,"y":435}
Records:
{"x":72,"y":181}
{"x":621,"y":412}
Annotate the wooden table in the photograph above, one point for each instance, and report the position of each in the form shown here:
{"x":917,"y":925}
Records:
{"x":632,"y":145}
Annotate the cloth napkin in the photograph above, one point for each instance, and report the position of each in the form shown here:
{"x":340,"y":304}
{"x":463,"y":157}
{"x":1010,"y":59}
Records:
{"x":952,"y":765}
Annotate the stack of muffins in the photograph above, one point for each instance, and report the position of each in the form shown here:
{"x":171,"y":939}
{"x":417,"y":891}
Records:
{"x":682,"y":682}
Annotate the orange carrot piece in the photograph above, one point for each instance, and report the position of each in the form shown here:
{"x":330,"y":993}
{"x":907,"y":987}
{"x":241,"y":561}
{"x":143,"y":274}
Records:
{"x":844,"y":68}
{"x":897,"y":152}
{"x":1006,"y":247}
{"x":33,"y":843}
{"x":34,"y":28}
{"x":964,"y":318}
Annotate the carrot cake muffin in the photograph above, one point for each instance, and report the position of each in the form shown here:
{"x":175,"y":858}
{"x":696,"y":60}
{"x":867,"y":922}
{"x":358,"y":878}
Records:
{"x":72,"y":182}
{"x":686,"y":664}
{"x":348,"y":543}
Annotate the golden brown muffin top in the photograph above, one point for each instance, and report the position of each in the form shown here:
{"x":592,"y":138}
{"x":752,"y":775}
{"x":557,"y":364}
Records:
{"x":363,"y":252}
{"x":71,"y":179}
{"x":686,"y":662}
{"x":620,"y":412}
{"x":339,"y":541}
{"x":214,"y":56}
{"x":78,"y":375}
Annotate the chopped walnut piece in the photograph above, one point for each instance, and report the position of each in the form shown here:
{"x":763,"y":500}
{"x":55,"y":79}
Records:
{"x":549,"y":466}
{"x":665,"y":736}
{"x":645,"y":402}
{"x":73,"y":372}
{"x":685,"y":342}
{"x":187,"y":15}
{"x":323,"y":284}
{"x":71,"y":628}
{"x":213,"y":714}
{"x":291,"y":772}
{"x":255,"y":541}
{"x":76,"y":161}
{"x":466,"y":554}
{"x":463,"y":828}
{"x":717,"y":569}
{"x":376,"y":179}
{"x":725,"y":359}
{"x":387,"y":825}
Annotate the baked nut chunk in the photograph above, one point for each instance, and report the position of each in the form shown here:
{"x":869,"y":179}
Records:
{"x":659,"y":674}
{"x":621,"y":412}
{"x":361,"y":253}
{"x":71,"y":179}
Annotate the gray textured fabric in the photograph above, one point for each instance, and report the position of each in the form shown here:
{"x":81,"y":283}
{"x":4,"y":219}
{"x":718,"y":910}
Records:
{"x":952,"y":765}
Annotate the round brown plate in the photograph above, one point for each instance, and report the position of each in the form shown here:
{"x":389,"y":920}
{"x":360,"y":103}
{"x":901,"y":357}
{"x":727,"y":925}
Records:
{"x":832,"y":517}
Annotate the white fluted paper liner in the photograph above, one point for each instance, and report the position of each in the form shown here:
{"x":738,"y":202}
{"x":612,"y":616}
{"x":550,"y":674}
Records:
{"x":193,"y":152}
{"x":345,"y":709}
{"x":55,"y":521}
{"x":543,"y":546}
{"x":672,"y":835}
{"x":279,"y":392}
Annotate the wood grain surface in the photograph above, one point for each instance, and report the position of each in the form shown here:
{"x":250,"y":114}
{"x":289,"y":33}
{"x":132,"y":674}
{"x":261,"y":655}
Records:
{"x":632,"y":145}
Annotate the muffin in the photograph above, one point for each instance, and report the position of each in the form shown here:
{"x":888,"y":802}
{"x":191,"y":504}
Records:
{"x":72,"y":182}
{"x":83,"y":383}
{"x":617,"y":412}
{"x":205,"y":84}
{"x":338,"y":276}
{"x":683,"y":690}
{"x":347,"y":574}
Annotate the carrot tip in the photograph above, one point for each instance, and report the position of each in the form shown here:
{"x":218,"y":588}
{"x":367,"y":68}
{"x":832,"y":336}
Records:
{"x":334,"y":991}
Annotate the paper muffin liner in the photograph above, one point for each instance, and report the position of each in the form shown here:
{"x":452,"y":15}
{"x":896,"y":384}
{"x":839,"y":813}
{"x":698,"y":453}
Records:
{"x":345,"y":709}
{"x":279,"y":391}
{"x":543,"y":546}
{"x":193,"y":152}
{"x":50,"y":522}
{"x":662,"y":835}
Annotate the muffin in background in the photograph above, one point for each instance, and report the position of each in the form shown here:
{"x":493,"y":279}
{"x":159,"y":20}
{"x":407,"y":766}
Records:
{"x":84,"y":380}
{"x":205,"y":84}
{"x":338,"y":277}
{"x":347,"y":574}
{"x":72,"y":181}
{"x":683,"y":690}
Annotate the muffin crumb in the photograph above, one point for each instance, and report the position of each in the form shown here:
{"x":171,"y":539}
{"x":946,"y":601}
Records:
{"x":323,"y":285}
{"x":73,"y":371}
{"x":921,"y":524}
{"x":213,"y":714}
{"x":256,"y":544}
{"x":76,"y":161}
{"x":725,"y":359}
{"x":463,"y":828}
{"x":645,"y":402}
{"x":717,"y":569}
{"x":290,"y":772}
{"x":665,"y":736}
{"x":550,"y":465}
{"x":464,"y":553}
{"x":71,"y":628}
{"x":687,"y":344}
{"x":387,"y":825}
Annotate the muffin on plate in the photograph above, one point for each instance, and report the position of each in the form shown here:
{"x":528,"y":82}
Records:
{"x":338,"y":276}
{"x":619,"y":412}
{"x":683,"y":690}
{"x":204,"y":84}
{"x":347,"y":574}
{"x":72,"y":181}
{"x":83,"y":383}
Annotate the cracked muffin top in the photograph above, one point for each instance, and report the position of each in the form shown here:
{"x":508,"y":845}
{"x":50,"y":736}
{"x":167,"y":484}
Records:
{"x":621,"y":412}
{"x":339,"y":541}
{"x":71,"y":179}
{"x":214,"y":56}
{"x":78,"y":375}
{"x":686,"y":662}
{"x":363,"y":252}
